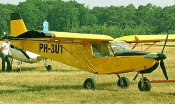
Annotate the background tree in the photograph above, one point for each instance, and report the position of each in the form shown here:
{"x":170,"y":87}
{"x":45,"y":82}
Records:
{"x":72,"y":16}
{"x":5,"y":11}
{"x":32,"y":16}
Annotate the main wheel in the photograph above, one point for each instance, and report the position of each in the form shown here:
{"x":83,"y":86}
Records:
{"x":143,"y":86}
{"x":49,"y":68}
{"x":123,"y":82}
{"x":89,"y":84}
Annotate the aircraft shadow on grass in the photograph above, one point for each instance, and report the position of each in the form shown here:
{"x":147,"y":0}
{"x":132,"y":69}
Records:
{"x":39,"y":88}
{"x":65,"y":70}
{"x":43,"y":69}
{"x":26,"y":69}
{"x":170,"y":93}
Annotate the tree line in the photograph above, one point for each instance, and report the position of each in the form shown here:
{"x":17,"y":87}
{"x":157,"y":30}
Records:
{"x":72,"y":16}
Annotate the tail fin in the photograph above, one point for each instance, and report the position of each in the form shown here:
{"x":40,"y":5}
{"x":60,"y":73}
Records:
{"x":17,"y":25}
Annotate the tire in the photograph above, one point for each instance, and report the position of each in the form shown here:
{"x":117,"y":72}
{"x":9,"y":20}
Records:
{"x":123,"y":82}
{"x":143,"y":86}
{"x":49,"y":68}
{"x":19,"y":70}
{"x":89,"y":84}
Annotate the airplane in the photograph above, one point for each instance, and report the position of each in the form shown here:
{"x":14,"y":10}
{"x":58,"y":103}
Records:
{"x":23,"y":55}
{"x":97,"y":54}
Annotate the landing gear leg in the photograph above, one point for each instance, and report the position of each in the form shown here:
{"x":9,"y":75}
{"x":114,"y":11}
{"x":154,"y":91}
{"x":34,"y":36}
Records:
{"x":142,"y":85}
{"x":48,"y":67}
{"x":90,"y":83}
{"x":123,"y":82}
{"x":19,"y":68}
{"x":136,"y":76}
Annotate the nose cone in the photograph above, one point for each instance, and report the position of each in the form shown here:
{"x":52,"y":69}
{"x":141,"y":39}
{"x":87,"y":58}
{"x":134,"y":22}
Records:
{"x":161,"y":56}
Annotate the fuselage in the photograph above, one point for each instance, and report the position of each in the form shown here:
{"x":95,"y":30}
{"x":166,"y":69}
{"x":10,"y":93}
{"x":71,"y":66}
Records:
{"x":93,"y":56}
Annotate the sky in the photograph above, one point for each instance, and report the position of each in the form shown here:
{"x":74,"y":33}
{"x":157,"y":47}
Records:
{"x":104,"y":3}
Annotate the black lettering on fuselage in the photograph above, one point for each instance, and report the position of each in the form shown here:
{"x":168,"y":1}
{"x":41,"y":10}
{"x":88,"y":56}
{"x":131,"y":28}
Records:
{"x":40,"y":47}
{"x":57,"y":48}
{"x":53,"y":48}
{"x":61,"y":49}
{"x":45,"y":48}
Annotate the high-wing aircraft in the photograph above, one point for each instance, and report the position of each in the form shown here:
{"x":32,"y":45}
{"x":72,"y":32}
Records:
{"x":97,"y":54}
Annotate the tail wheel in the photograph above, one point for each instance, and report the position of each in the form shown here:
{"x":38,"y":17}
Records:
{"x":89,"y":84}
{"x":49,"y":68}
{"x":123,"y":82}
{"x":19,"y":70}
{"x":143,"y":86}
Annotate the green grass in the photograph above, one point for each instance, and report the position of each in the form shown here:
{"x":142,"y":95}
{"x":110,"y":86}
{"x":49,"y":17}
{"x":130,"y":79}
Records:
{"x":64,"y":85}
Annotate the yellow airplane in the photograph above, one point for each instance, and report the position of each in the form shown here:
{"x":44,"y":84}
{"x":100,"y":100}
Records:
{"x":98,"y":54}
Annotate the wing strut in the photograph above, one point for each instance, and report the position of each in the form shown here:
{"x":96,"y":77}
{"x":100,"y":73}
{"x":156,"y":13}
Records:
{"x":80,"y":60}
{"x":134,"y":45}
{"x":86,"y":58}
{"x":149,"y":46}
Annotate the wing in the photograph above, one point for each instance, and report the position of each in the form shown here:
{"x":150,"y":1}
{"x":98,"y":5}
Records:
{"x":145,"y":38}
{"x":47,"y":35}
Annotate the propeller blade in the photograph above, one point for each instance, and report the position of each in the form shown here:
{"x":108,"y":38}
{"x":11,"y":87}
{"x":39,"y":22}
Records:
{"x":162,"y":65}
{"x":165,"y":43}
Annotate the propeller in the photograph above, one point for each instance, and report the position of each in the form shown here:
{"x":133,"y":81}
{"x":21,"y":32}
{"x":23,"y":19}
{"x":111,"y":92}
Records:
{"x":162,"y":65}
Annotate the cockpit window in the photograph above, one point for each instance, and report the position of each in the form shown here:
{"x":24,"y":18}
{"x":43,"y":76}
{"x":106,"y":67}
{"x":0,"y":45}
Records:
{"x":101,"y":50}
{"x":114,"y":48}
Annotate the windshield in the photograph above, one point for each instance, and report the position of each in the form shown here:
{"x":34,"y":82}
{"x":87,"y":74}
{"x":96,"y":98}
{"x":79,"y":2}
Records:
{"x":120,"y":47}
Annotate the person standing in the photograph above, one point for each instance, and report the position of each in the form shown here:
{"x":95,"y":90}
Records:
{"x":45,"y":26}
{"x":4,"y":52}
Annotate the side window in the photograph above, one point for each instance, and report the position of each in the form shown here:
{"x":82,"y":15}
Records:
{"x":101,"y":50}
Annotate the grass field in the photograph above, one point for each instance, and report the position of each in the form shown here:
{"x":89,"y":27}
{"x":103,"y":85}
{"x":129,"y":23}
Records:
{"x":63,"y":85}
